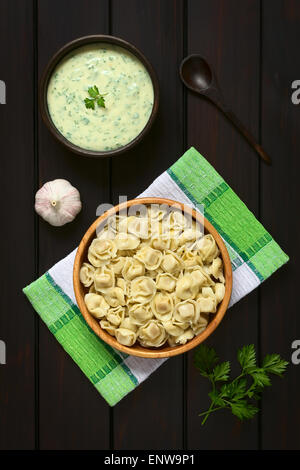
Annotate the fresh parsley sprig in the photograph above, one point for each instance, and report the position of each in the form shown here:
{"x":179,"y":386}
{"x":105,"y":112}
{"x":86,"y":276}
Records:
{"x":239,"y":394}
{"x":95,"y":97}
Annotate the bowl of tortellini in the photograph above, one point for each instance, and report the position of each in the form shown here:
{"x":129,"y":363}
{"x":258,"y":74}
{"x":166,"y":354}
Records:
{"x":152,"y":277}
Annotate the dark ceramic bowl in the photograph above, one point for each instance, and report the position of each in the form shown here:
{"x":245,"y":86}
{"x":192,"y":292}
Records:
{"x":58,"y":56}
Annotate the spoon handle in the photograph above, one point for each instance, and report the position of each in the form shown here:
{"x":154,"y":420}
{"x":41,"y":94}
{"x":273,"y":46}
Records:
{"x":248,"y":136}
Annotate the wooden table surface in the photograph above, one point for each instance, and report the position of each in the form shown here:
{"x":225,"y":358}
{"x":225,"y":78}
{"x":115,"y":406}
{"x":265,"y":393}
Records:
{"x":45,"y":401}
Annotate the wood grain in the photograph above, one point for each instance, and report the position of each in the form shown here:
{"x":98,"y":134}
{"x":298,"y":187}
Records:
{"x":221,"y":32}
{"x":156,"y":28}
{"x":17,"y":386}
{"x":280,"y":321}
{"x":253,"y":47}
{"x":70,"y":419}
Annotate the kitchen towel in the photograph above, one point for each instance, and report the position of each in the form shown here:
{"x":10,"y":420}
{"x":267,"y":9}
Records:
{"x":253,"y":252}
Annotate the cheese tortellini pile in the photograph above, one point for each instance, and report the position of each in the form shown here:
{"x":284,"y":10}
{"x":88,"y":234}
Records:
{"x":153,"y":279}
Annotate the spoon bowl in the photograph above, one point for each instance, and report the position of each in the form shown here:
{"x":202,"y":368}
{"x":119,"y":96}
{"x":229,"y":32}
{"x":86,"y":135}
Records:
{"x":196,"y":73}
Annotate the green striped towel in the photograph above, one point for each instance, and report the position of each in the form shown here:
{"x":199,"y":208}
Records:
{"x":253,"y":252}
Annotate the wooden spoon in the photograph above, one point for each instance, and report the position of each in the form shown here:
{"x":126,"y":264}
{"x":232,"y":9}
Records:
{"x":199,"y":77}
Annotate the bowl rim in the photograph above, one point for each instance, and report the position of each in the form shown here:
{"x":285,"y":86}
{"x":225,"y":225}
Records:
{"x":49,"y":69}
{"x":139,"y":350}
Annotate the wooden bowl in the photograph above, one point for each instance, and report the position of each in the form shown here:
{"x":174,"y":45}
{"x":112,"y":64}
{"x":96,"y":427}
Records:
{"x":137,"y":350}
{"x":58,"y":56}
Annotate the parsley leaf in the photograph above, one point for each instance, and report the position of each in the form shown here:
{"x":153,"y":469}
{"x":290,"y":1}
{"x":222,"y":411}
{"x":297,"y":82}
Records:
{"x":93,"y":91}
{"x":221,"y":372}
{"x":239,"y":394}
{"x":234,"y":390}
{"x":216,"y":398}
{"x":273,"y":364}
{"x":247,"y":357}
{"x":243,"y":410}
{"x":260,"y":378}
{"x":89,"y":103}
{"x":205,"y":359}
{"x":101,"y":102}
{"x":95,"y":97}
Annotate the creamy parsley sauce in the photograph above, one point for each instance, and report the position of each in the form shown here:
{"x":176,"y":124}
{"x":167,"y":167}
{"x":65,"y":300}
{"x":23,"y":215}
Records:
{"x":128,"y":100}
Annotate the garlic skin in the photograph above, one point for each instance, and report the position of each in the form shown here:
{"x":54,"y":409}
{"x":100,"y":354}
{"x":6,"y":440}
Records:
{"x":58,"y":202}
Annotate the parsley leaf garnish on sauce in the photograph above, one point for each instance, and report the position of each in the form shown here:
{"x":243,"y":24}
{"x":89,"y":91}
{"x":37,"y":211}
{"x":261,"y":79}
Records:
{"x":238,"y":394}
{"x":95,"y":97}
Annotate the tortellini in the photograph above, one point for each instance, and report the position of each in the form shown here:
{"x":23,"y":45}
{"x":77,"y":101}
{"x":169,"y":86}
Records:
{"x":186,"y":287}
{"x":105,"y":325}
{"x":189,"y":235}
{"x":126,"y":241}
{"x":172,"y":329}
{"x":135,"y":225}
{"x":190,"y":259}
{"x":101,"y":252}
{"x":149,"y":257}
{"x":87,"y":274}
{"x":201,"y":278}
{"x":207,"y":300}
{"x":117,"y":264}
{"x":116,"y":315}
{"x":208,"y":248}
{"x":171,"y":262}
{"x":142,"y":290}
{"x":129,"y":324}
{"x":187,"y":311}
{"x":124,"y":285}
{"x":185,"y":336}
{"x":140,"y":313}
{"x":104,"y":279}
{"x":160,"y":242}
{"x":162,"y":306}
{"x":125,"y":336}
{"x":153,"y":334}
{"x":156,"y":212}
{"x":132,"y":268}
{"x":166,"y":282}
{"x":115,"y":297}
{"x":96,"y":305}
{"x":219,"y":291}
{"x":154,"y":278}
{"x":216,"y":269}
{"x":201,"y":324}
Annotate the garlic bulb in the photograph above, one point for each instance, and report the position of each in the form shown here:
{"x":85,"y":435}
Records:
{"x":58,"y":202}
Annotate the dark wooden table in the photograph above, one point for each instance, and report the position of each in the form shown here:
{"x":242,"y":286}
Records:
{"x":45,"y":401}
